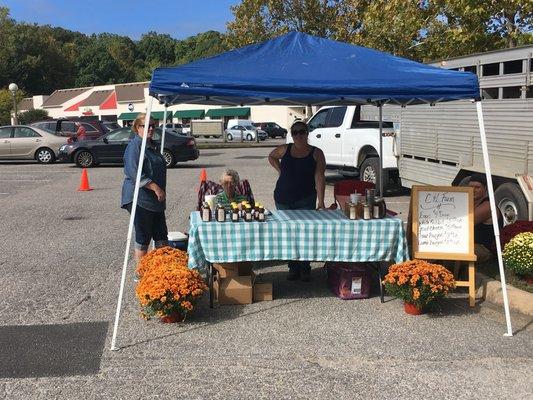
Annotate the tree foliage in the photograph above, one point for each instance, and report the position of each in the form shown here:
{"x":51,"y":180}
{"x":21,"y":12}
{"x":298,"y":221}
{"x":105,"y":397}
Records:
{"x":421,"y":30}
{"x":6,"y":105}
{"x":32,"y":115}
{"x":41,"y":59}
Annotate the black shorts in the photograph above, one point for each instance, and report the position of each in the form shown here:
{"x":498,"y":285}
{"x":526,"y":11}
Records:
{"x":149,"y":225}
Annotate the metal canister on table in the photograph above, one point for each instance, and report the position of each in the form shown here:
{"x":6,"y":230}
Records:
{"x":370,"y":197}
{"x":379,"y":209}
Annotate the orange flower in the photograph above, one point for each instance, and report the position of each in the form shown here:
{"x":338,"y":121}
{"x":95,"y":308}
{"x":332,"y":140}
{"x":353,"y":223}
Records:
{"x":418,"y":281}
{"x":166,"y":280}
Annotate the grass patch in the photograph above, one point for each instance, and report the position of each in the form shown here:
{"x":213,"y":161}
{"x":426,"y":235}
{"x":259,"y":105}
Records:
{"x":490,"y":268}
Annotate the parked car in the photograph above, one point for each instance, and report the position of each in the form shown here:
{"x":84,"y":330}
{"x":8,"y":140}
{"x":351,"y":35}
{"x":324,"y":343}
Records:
{"x":246,"y":132}
{"x":110,"y":125}
{"x":110,"y":148}
{"x":175,"y":127}
{"x":67,"y":127}
{"x":28,"y":143}
{"x":272,"y":129}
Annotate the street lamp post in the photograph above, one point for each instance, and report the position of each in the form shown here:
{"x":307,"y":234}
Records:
{"x":13,"y":89}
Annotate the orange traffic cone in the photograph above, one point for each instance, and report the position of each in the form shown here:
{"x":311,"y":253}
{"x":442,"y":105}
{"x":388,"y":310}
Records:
{"x":84,"y":182}
{"x":203,"y":175}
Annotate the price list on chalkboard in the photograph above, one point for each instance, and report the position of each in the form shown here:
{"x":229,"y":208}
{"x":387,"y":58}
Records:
{"x":443,"y":222}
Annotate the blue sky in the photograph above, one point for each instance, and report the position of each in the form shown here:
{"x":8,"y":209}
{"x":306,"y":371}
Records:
{"x":178,"y":18}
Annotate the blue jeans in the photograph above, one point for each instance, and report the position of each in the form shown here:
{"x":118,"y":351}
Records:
{"x":307,"y":203}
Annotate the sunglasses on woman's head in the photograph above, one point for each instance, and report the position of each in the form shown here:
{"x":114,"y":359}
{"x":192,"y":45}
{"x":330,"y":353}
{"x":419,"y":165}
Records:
{"x":299,"y":132}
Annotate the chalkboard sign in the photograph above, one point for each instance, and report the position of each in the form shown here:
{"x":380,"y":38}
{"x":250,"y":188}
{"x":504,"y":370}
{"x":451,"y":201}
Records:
{"x":443,"y":222}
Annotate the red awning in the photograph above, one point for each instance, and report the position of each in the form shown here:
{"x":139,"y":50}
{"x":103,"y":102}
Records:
{"x":76,"y":106}
{"x":110,"y":103}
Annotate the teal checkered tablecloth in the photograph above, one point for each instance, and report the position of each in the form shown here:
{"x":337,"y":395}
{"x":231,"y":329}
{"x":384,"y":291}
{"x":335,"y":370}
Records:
{"x":297,"y":235}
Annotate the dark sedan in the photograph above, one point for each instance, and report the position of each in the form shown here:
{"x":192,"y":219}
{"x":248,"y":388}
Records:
{"x":110,"y":148}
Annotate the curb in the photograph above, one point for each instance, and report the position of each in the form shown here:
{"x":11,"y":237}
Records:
{"x":491,"y":290}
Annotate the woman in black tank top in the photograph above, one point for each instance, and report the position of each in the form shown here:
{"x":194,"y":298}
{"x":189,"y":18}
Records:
{"x":301,"y":181}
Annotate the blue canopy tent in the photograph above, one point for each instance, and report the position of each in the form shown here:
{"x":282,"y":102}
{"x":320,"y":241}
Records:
{"x":305,"y":70}
{"x":299,"y":69}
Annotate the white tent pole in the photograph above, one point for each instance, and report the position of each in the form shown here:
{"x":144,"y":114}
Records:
{"x":132,"y":218}
{"x":490,"y":189}
{"x":380,"y":149}
{"x":164,"y":129}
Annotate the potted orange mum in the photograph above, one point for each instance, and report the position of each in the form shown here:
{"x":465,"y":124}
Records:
{"x":167,"y":287}
{"x":418,"y":283}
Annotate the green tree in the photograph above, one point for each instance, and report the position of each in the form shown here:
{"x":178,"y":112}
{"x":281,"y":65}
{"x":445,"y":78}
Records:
{"x":470,"y":26}
{"x":395,"y":26}
{"x":202,"y":45}
{"x":32,"y":115}
{"x":422,"y":30}
{"x":95,"y":65}
{"x":6,"y":105}
{"x":257,"y":20}
{"x":41,"y":65}
{"x":156,"y":47}
{"x":7,"y":47}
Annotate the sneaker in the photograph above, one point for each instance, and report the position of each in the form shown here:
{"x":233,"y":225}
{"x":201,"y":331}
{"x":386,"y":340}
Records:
{"x":294,"y":275}
{"x":305,"y":275}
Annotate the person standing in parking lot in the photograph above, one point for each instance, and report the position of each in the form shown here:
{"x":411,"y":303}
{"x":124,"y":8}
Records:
{"x":150,"y":222}
{"x":81,"y":132}
{"x":301,"y":181}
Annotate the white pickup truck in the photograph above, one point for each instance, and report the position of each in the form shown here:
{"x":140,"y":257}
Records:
{"x":352,"y":145}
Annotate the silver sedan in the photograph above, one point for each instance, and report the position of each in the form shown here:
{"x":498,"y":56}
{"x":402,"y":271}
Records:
{"x":21,"y":142}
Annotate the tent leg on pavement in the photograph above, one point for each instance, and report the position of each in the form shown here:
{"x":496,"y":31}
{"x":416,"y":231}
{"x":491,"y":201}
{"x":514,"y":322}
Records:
{"x":490,"y":189}
{"x":130,"y":227}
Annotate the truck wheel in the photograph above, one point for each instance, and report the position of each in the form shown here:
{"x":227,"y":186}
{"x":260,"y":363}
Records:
{"x":511,"y":202}
{"x":369,"y":171}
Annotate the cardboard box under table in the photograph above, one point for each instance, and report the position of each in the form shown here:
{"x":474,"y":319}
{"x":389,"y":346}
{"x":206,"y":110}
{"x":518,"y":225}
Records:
{"x":228,"y":270}
{"x":235,"y":290}
{"x":241,"y":289}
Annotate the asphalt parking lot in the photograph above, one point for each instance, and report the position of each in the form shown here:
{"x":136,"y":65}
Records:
{"x":60,"y":263}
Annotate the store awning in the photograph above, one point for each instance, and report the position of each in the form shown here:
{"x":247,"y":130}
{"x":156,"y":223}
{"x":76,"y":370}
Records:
{"x":159,"y":115}
{"x":228,"y":112}
{"x":130,"y":116}
{"x":189,"y":114}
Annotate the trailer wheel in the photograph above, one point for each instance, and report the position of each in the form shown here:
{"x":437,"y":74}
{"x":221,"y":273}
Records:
{"x":511,"y":202}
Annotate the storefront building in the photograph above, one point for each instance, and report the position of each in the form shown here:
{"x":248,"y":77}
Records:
{"x":123,"y":102}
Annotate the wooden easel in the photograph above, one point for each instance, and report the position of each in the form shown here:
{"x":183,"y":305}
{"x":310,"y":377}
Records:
{"x":467,"y":254}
